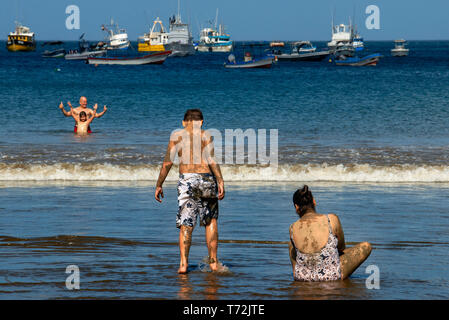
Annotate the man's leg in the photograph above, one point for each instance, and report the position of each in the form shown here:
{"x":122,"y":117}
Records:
{"x":353,"y":257}
{"x":185,"y":240}
{"x":212,"y":243}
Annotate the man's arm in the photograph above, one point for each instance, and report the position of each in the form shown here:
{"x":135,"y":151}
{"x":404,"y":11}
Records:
{"x":99,"y":115}
{"x":214,"y":167}
{"x":66,"y":113}
{"x":166,"y":166}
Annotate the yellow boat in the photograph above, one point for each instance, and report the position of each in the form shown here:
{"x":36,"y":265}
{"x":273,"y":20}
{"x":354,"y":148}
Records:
{"x":22,"y":39}
{"x":155,"y":40}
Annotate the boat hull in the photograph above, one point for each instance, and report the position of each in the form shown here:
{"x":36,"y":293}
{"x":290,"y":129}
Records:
{"x":370,"y":60}
{"x":15,"y":45}
{"x":214,"y":48}
{"x":262,"y":63}
{"x":84,"y":55}
{"x":54,"y":54}
{"x":146,"y":47}
{"x":156,"y":58}
{"x":399,"y":53}
{"x":180,"y":49}
{"x":311,"y":56}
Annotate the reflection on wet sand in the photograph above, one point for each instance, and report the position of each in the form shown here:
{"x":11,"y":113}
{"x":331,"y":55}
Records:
{"x":346,"y":289}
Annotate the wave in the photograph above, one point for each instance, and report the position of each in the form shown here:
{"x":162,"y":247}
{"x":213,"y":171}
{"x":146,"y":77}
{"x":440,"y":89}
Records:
{"x":283,"y":172}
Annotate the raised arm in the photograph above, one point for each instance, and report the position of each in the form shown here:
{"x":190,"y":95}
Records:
{"x":166,"y":166}
{"x":99,"y":115}
{"x":90,"y":119}
{"x":66,"y":113}
{"x":214,"y":166}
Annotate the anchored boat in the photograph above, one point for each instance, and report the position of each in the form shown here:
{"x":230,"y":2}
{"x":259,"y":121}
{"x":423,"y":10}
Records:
{"x":249,"y":59}
{"x":155,"y":58}
{"x":214,"y":40}
{"x":84,"y":51}
{"x":300,"y":51}
{"x":54,"y":53}
{"x":399,"y":48}
{"x":117,"y":39}
{"x":370,"y":60}
{"x":155,"y":40}
{"x":22,"y":39}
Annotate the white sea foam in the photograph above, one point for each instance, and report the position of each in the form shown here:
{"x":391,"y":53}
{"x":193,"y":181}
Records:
{"x":284,"y":172}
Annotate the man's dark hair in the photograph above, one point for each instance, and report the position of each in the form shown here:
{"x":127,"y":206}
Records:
{"x":193,"y":115}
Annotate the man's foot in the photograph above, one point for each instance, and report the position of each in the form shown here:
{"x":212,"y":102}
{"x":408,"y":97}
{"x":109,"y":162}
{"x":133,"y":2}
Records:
{"x":213,"y":264}
{"x":182,"y":268}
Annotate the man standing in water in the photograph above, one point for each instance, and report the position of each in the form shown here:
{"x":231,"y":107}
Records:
{"x":200,"y":180}
{"x":82,"y":107}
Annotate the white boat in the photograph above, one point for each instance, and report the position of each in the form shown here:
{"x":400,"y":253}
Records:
{"x":155,"y":40}
{"x":180,"y":40}
{"x":214,"y":40}
{"x":117,"y":39}
{"x":358,"y":43}
{"x":341,"y":35}
{"x":154,"y":58}
{"x":399,"y":48}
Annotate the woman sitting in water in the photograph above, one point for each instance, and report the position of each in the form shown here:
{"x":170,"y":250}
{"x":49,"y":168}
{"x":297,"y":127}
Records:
{"x":317,"y":244}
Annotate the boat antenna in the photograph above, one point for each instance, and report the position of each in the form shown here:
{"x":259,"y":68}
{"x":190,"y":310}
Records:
{"x":216,"y":19}
{"x":179,"y":14}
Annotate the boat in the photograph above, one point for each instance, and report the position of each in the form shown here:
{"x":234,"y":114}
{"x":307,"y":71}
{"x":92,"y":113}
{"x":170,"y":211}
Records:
{"x":85,"y":50}
{"x":248,"y":62}
{"x":55,"y":53}
{"x":399,"y":49}
{"x":155,"y":40}
{"x":341,"y":35}
{"x":300,"y":51}
{"x":357,"y":42}
{"x":370,"y":60}
{"x":154,"y":58}
{"x":22,"y":39}
{"x":214,"y":40}
{"x":117,"y":39}
{"x":180,"y":40}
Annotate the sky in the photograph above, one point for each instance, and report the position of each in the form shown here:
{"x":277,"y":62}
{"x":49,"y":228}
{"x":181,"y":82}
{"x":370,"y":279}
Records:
{"x":243,"y":19}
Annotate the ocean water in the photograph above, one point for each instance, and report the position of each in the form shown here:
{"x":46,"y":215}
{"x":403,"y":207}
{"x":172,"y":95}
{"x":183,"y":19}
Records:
{"x":372,"y":143}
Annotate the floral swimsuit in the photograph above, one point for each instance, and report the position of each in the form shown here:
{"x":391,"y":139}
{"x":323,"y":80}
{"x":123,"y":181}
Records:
{"x":320,"y":266}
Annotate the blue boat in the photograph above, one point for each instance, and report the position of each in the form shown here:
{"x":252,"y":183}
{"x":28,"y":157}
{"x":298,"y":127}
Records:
{"x":370,"y":60}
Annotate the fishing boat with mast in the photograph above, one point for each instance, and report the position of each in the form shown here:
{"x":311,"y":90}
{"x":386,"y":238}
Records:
{"x":180,"y":40}
{"x":155,"y":40}
{"x":22,"y":39}
{"x":117,"y":39}
{"x":214,"y":39}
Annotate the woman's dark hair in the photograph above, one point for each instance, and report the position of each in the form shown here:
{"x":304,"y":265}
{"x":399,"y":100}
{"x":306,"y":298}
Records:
{"x":193,"y":115}
{"x":303,"y":199}
{"x":83,"y":114}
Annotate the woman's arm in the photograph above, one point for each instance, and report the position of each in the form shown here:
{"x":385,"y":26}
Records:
{"x":338,"y":231}
{"x":292,"y":249}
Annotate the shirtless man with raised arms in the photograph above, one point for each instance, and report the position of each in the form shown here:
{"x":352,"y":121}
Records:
{"x":82,"y":107}
{"x":200,"y":185}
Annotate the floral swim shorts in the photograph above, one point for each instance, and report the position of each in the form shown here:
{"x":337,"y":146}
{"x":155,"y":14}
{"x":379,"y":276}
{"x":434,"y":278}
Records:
{"x":197,"y":196}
